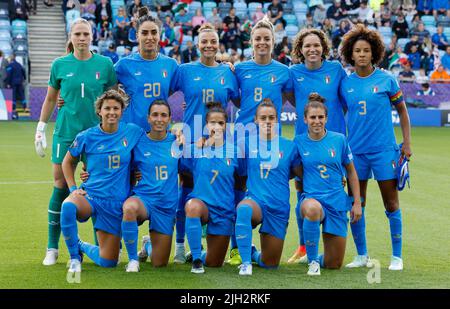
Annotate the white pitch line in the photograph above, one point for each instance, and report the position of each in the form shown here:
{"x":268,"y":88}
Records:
{"x":25,"y":182}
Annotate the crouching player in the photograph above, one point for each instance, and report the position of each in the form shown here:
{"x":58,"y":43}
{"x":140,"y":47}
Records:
{"x":214,"y":168}
{"x":271,"y":160}
{"x":155,"y":197}
{"x":107,"y":148}
{"x":326,"y":159}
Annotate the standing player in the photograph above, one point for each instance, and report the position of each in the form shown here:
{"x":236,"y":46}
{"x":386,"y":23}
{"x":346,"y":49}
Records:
{"x":214,"y":168}
{"x":146,"y":76}
{"x":108,"y":148}
{"x":201,"y":82}
{"x":315,"y":74}
{"x":369,"y":94}
{"x":259,"y":78}
{"x":324,"y":156}
{"x":79,"y":78}
{"x":270,"y":163}
{"x":155,"y":197}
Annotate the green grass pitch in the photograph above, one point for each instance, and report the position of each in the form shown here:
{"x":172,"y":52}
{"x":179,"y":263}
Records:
{"x":25,"y":187}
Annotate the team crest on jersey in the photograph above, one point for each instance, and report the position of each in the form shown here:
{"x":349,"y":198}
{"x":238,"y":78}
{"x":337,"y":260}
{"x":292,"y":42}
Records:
{"x":124,"y":142}
{"x":164,"y":74}
{"x":332,"y":153}
{"x":280,"y":155}
{"x":273,"y":78}
{"x":228,"y":162}
{"x":327,"y":79}
{"x":222,"y":81}
{"x":394,"y":164}
{"x":375,"y":89}
{"x":97,"y":75}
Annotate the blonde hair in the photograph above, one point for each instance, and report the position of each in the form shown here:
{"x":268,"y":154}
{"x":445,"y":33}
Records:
{"x":264,"y":23}
{"x":69,"y":46}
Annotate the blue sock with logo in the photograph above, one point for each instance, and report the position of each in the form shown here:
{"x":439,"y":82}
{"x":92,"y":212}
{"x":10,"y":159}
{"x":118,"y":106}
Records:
{"x":359,"y":234}
{"x":395,"y":223}
{"x":299,"y":220}
{"x":130,"y":237}
{"x":93,"y":252}
{"x":243,"y":232}
{"x":69,"y":228}
{"x":311,"y":232}
{"x":203,"y":257}
{"x":238,"y":197}
{"x":181,"y":215}
{"x":194,"y":236}
{"x":148,"y":248}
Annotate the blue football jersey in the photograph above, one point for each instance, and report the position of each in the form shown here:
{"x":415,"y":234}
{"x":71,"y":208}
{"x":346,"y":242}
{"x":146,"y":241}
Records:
{"x":269,"y":165}
{"x":323,"y":163}
{"x":258,"y":82}
{"x":108,"y":159}
{"x":369,"y":100}
{"x":326,"y":81}
{"x":144,"y":81}
{"x":158,"y":163}
{"x":213,"y":170}
{"x":201,"y":84}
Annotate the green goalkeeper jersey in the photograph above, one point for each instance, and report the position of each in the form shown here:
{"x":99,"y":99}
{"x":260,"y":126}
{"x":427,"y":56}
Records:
{"x":80,"y":83}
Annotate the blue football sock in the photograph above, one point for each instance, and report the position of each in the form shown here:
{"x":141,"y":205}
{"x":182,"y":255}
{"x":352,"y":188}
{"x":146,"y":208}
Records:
{"x":93,"y":252}
{"x":321,"y":261}
{"x":233,"y":240}
{"x":148,"y":248}
{"x":256,"y":255}
{"x":359,"y":234}
{"x":130,"y":237}
{"x":238,"y":197}
{"x":194,"y":236}
{"x":395,"y":223}
{"x":311,"y":231}
{"x":243,"y":231}
{"x":181,"y":215}
{"x":299,"y":220}
{"x":69,"y":228}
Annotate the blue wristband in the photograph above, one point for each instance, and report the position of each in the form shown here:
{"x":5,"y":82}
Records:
{"x":73,"y":188}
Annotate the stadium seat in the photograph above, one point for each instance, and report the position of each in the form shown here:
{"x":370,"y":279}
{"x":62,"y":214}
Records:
{"x":253,"y":6}
{"x":266,"y":6}
{"x":291,"y":30}
{"x":194,"y":6}
{"x":387,"y":41}
{"x":224,"y":9}
{"x":4,"y":14}
{"x":248,"y":52}
{"x":300,"y":8}
{"x":6,"y":48}
{"x":5,"y":25}
{"x":71,"y":16}
{"x":290,"y":19}
{"x":288,"y":8}
{"x":241,"y":9}
{"x":120,"y":50}
{"x":209,"y":5}
{"x":428,"y":20}
{"x":385,"y":31}
{"x":432,"y":29}
{"x":19,"y":24}
{"x":447,"y":32}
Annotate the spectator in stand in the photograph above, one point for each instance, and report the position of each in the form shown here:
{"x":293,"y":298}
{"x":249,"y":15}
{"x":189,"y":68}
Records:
{"x":275,"y":13}
{"x":440,"y":75}
{"x":134,"y":8}
{"x":313,"y":4}
{"x":285,"y":56}
{"x":439,"y":38}
{"x":421,"y":32}
{"x":319,"y":15}
{"x":350,"y":4}
{"x":88,"y":10}
{"x":396,"y":57}
{"x":445,"y":61}
{"x":422,"y":77}
{"x":327,"y":27}
{"x":183,"y":20}
{"x":197,"y":21}
{"x":409,"y":11}
{"x":231,"y":37}
{"x":167,"y":32}
{"x":224,"y":8}
{"x":400,"y":27}
{"x":175,"y":52}
{"x":111,"y":53}
{"x":407,"y":76}
{"x":231,"y":18}
{"x":424,"y":7}
{"x":426,"y":90}
{"x":222,"y":55}
{"x":246,"y":35}
{"x":280,"y":33}
{"x":18,"y":9}
{"x":344,"y":27}
{"x":121,"y":24}
{"x":309,"y":22}
{"x":3,"y":66}
{"x":105,"y":35}
{"x":413,"y":41}
{"x":189,"y":54}
{"x":383,"y":16}
{"x":414,"y":58}
{"x":440,"y":7}
{"x":336,"y":11}
{"x":163,"y":5}
{"x":257,"y":15}
{"x":215,"y":19}
{"x":15,"y":77}
{"x":103,"y":9}
{"x":364,"y":12}
{"x":132,"y":37}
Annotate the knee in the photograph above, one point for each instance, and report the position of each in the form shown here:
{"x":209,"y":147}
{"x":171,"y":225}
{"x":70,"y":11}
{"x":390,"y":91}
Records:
{"x":68,"y":210}
{"x":312,"y":210}
{"x":392,"y":205}
{"x":130,"y":208}
{"x":192,"y":209}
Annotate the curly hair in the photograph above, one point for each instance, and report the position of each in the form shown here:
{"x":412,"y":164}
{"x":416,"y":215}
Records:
{"x":300,"y":38}
{"x":111,"y":94}
{"x":360,"y":32}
